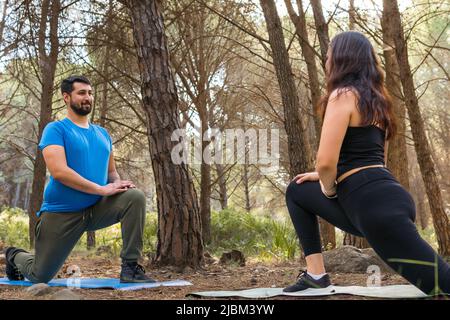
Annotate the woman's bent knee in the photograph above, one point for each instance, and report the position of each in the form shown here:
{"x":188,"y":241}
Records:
{"x":297,"y":191}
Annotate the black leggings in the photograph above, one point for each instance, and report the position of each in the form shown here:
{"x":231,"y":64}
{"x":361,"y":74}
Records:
{"x":372,"y":204}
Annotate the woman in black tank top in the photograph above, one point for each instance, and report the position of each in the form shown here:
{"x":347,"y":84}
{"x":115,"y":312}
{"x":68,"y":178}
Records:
{"x":369,"y":203}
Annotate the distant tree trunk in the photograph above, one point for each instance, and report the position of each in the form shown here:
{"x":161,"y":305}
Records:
{"x":352,"y":240}
{"x":427,"y":169}
{"x":223,"y":196}
{"x":299,"y":150}
{"x":422,"y":219}
{"x":179,"y":225}
{"x":205,"y":182}
{"x":47,"y":67}
{"x":328,"y":232}
{"x":397,"y":153}
{"x":321,"y":29}
{"x":3,"y":19}
{"x":351,"y":15}
{"x":299,"y":22}
{"x":245,"y":181}
{"x":26,"y":202}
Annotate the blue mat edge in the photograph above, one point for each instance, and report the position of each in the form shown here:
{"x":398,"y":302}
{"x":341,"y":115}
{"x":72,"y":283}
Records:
{"x":111,"y":283}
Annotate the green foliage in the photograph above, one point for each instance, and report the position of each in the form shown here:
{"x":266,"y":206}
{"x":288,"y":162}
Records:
{"x":112,"y":236}
{"x":150,"y":232}
{"x":14,"y":227}
{"x":429,"y":236}
{"x":251,"y":234}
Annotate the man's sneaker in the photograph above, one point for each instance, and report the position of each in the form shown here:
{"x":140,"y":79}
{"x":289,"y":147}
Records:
{"x":305,"y":281}
{"x":11,"y":270}
{"x":134,"y":273}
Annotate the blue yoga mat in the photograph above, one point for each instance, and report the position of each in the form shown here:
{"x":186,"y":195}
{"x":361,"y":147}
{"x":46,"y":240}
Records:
{"x":98,"y":283}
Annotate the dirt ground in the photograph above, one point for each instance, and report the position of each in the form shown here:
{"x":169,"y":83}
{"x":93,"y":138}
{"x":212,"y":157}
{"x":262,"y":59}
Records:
{"x":213,"y":277}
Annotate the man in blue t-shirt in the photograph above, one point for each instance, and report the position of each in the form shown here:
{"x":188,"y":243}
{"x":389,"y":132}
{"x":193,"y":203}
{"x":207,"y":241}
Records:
{"x":85,"y":193}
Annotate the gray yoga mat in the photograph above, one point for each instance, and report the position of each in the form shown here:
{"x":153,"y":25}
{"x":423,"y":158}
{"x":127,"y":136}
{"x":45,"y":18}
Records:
{"x":393,"y":291}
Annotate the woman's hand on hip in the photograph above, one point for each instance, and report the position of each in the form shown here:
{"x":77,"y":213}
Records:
{"x":307,"y":176}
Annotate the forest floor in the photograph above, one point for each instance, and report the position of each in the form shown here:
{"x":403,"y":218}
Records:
{"x":212,"y":277}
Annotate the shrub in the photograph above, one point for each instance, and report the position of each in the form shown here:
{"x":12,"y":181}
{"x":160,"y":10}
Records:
{"x":14,"y":227}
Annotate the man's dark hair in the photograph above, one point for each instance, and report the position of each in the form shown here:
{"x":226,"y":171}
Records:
{"x":67,"y":84}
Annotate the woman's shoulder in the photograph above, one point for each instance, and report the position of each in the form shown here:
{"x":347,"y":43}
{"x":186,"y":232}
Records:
{"x":349,"y":93}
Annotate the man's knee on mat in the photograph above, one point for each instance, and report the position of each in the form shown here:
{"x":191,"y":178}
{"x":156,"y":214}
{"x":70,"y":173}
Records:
{"x":40,"y":278}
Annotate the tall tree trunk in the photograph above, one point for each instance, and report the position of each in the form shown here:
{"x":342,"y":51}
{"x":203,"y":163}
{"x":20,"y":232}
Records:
{"x":47,"y":67}
{"x":299,"y":22}
{"x":90,"y":241}
{"x":299,"y":150}
{"x":179,"y":225}
{"x":321,"y":29}
{"x":397,"y":154}
{"x":440,"y":218}
{"x":205,"y":182}
{"x":328,"y":233}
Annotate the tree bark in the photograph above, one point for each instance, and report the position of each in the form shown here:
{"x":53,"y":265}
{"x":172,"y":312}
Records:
{"x":328,"y":233}
{"x":299,"y":150}
{"x":179,"y":225}
{"x":397,"y":154}
{"x":321,"y":29}
{"x":427,"y":169}
{"x":351,"y":15}
{"x":47,"y":67}
{"x":205,"y":181}
{"x":299,"y":22}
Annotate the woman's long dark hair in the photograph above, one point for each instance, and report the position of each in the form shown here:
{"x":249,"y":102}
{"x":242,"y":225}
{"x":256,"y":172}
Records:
{"x":354,"y":66}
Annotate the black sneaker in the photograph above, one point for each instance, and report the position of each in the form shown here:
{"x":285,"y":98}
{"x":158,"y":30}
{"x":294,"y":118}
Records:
{"x":305,"y":281}
{"x":134,"y":273}
{"x":11,"y":270}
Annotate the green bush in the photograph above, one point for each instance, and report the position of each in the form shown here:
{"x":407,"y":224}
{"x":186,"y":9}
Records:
{"x":14,"y":227}
{"x":260,"y":236}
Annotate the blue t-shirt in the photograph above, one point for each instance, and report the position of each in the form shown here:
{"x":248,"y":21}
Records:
{"x":87,"y":152}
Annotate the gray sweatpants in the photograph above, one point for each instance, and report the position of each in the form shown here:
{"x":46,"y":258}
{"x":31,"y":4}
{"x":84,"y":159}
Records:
{"x":57,"y":233}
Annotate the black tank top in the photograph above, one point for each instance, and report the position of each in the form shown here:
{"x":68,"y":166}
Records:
{"x":362,"y":146}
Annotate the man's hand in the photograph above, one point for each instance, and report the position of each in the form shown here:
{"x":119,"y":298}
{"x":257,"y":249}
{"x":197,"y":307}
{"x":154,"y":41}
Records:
{"x":116,"y":187}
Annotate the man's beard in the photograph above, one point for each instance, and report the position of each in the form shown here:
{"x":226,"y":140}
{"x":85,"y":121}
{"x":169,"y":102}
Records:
{"x":81,"y":109}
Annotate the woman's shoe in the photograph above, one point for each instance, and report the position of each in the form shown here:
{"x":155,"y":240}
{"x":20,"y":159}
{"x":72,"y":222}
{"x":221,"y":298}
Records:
{"x":305,"y":281}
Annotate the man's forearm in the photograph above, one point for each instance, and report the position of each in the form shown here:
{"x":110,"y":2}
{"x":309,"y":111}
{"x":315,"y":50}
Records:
{"x":72,"y":179}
